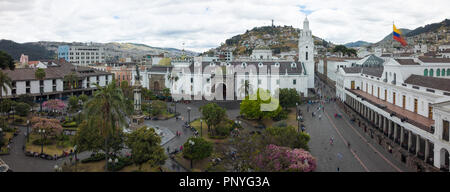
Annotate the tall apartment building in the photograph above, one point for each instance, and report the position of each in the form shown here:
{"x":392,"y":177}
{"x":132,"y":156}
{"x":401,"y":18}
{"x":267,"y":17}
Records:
{"x":82,"y":55}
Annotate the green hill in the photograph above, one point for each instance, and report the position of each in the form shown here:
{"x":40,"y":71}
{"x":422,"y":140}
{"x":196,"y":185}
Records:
{"x":277,"y":38}
{"x":34,"y":52}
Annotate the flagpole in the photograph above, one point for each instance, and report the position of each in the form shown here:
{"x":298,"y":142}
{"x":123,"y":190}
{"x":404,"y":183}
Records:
{"x":392,"y":40}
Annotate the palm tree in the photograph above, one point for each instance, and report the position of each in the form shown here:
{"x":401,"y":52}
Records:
{"x":71,"y":79}
{"x":5,"y":82}
{"x":40,"y":75}
{"x":109,"y":104}
{"x":246,"y":88}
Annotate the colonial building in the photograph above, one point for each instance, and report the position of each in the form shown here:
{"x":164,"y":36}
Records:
{"x":54,"y":85}
{"x":236,"y":78}
{"x":407,"y":102}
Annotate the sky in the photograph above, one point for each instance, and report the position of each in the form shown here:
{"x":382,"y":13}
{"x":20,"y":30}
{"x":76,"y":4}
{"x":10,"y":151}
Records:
{"x":205,"y":24}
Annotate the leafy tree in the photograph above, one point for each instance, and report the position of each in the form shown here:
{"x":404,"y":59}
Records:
{"x":166,"y":93}
{"x":158,"y":107}
{"x":212,"y":114}
{"x":5,"y":107}
{"x":6,"y":61}
{"x":22,"y":109}
{"x":197,"y":148}
{"x":251,"y":108}
{"x":145,"y":147}
{"x":55,"y":104}
{"x":24,"y":98}
{"x":147,"y":94}
{"x":5,"y":83}
{"x":288,"y":97}
{"x":286,"y":137}
{"x":276,"y":158}
{"x":71,"y":79}
{"x":52,"y":127}
{"x":89,"y":137}
{"x":126,"y":89}
{"x":110,"y":106}
{"x":83,"y":98}
{"x":73,"y":104}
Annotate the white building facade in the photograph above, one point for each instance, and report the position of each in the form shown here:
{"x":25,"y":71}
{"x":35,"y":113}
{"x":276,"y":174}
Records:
{"x":409,"y":108}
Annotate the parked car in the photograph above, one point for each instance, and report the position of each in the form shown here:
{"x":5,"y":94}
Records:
{"x":3,"y":166}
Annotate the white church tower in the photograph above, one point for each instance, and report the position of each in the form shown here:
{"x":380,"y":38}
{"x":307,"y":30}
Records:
{"x":306,"y":52}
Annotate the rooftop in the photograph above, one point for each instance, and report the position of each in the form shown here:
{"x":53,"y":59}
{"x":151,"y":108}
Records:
{"x":430,"y":82}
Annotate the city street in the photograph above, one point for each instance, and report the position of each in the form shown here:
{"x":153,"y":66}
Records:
{"x":362,"y":155}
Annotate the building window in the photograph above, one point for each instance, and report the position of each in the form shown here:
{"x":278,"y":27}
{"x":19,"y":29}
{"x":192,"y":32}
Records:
{"x":443,"y":72}
{"x":28,"y":90}
{"x":278,"y":81}
{"x":259,"y":81}
{"x":448,"y":72}
{"x":425,"y":72}
{"x":415,"y":105}
{"x":445,"y":132}
{"x":431,"y":73}
{"x":294,"y":81}
{"x":27,"y":83}
{"x":307,"y":55}
{"x":438,"y":72}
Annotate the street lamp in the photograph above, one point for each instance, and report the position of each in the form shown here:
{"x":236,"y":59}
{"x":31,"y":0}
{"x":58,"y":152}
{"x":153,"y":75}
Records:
{"x":175,"y":102}
{"x":298,"y":119}
{"x":192,"y":144}
{"x":189,"y":114}
{"x":28,"y":130}
{"x":42,"y":132}
{"x":296,"y":109}
{"x":201,"y":127}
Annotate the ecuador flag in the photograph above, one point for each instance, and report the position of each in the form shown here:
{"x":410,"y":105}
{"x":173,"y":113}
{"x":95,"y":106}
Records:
{"x":397,"y":35}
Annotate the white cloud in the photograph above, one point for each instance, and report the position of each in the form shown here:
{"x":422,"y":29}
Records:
{"x":206,"y":24}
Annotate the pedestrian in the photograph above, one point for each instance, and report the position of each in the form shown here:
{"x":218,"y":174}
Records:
{"x":337,"y":169}
{"x":168,"y":149}
{"x":320,"y":116}
{"x":181,"y":147}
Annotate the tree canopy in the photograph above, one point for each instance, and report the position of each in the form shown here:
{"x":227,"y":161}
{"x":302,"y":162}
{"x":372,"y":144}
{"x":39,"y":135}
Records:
{"x":6,"y":61}
{"x":251,"y":106}
{"x":213,"y":114}
{"x":289,"y":97}
{"x":145,"y":147}
{"x":197,"y":148}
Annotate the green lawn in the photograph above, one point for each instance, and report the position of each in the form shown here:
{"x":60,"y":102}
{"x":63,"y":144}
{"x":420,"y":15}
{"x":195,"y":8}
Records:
{"x":48,"y":149}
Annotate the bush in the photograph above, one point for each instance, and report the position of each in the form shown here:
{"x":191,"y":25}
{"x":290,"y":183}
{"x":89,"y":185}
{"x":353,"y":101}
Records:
{"x":280,"y":116}
{"x":94,"y":158}
{"x":19,"y":120}
{"x":280,"y":124}
{"x":123,"y":162}
{"x":46,"y":142}
{"x":69,"y":124}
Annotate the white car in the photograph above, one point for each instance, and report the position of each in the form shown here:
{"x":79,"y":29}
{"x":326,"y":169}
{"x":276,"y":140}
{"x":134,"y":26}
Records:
{"x":3,"y":166}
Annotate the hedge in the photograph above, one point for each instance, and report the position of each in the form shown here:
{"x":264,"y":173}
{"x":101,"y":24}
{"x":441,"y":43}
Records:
{"x":94,"y":158}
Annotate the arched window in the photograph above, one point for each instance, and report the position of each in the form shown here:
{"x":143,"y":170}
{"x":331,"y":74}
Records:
{"x":448,"y":72}
{"x":438,"y":72}
{"x":443,"y":72}
{"x":425,"y":72}
{"x":307,"y":55}
{"x":431,"y":73}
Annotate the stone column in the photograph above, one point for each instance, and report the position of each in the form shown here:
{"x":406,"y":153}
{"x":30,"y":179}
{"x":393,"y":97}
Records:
{"x":380,"y":123}
{"x":385,"y":128}
{"x":417,"y":144}
{"x":402,"y":135}
{"x":437,"y":156}
{"x":427,"y":150}
{"x":409,"y":140}
{"x":389,"y":122}
{"x":395,"y":131}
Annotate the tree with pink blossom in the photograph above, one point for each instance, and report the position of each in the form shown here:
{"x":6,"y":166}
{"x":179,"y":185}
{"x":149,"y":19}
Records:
{"x":278,"y":159}
{"x":52,"y":127}
{"x":55,"y":104}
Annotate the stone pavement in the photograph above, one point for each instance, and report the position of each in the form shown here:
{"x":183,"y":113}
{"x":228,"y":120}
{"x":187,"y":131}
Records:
{"x":363,"y":153}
